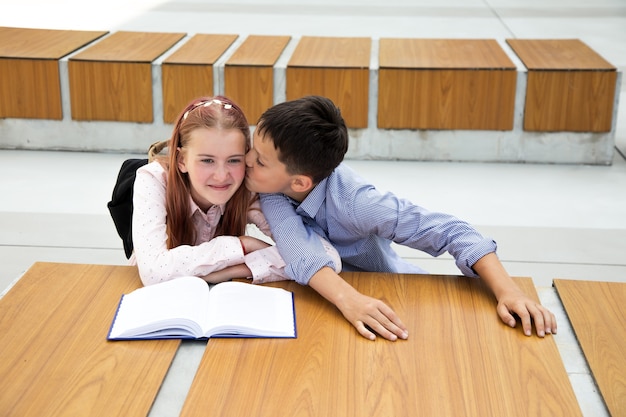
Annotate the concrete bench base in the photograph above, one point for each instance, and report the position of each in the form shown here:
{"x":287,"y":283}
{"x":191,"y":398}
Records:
{"x":285,"y":55}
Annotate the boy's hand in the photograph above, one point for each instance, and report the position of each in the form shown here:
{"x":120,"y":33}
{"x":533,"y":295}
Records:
{"x":364,"y":312}
{"x":528,"y":311}
{"x":367,"y":314}
{"x":511,"y":299}
{"x":228,"y":273}
{"x":251,"y":244}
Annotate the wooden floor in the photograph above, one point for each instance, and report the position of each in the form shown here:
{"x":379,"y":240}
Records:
{"x":464,"y":360}
{"x":597,"y":311}
{"x":460,"y":359}
{"x":60,"y":342}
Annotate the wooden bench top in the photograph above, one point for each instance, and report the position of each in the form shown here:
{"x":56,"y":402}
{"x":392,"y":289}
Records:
{"x":331,"y":52}
{"x":558,"y":54}
{"x":201,"y":49}
{"x":259,"y":50}
{"x":459,"y":360}
{"x":43,"y":43}
{"x":126,"y":46}
{"x":443,"y":54}
{"x":597,"y":311}
{"x":56,"y":359}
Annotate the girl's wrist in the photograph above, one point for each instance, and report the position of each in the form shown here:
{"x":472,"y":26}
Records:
{"x":243,"y":247}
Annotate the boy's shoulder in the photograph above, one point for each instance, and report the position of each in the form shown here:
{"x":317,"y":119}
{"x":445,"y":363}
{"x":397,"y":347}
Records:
{"x":345,"y":173}
{"x":345,"y":179}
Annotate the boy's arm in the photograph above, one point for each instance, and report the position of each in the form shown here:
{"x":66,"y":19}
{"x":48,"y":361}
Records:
{"x":434,"y":233}
{"x":306,"y":264}
{"x":299,"y":246}
{"x":511,"y":299}
{"x":360,"y":310}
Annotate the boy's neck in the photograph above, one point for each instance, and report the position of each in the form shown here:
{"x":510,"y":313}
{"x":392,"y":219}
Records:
{"x":300,"y":186}
{"x":299,"y":196}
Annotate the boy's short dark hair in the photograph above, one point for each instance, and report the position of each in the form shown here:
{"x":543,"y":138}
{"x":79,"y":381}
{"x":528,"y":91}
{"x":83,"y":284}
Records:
{"x":309,"y":134}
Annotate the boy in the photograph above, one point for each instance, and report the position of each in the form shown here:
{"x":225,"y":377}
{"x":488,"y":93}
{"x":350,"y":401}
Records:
{"x":305,"y":190}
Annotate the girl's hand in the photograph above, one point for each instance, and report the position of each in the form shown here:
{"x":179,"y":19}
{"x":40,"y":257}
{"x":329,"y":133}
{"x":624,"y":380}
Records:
{"x":226,"y":274}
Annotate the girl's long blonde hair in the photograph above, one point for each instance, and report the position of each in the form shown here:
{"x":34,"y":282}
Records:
{"x":205,"y":112}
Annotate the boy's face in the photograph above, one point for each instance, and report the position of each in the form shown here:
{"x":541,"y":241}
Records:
{"x":265,"y":173}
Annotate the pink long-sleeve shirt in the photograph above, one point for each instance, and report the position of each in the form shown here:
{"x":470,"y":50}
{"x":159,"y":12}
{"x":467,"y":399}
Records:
{"x":210,"y":253}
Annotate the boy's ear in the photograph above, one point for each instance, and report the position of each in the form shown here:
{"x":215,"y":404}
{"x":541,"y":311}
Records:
{"x":302,"y":183}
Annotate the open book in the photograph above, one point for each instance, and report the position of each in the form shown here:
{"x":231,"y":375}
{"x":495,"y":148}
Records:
{"x":188,"y":308}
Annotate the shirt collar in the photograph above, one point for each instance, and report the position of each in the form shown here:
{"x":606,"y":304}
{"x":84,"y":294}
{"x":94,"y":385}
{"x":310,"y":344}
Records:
{"x":215,"y":210}
{"x":312,"y":203}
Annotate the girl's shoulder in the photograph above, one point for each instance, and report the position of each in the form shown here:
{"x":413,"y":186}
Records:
{"x":151,"y":177}
{"x":153,"y":169}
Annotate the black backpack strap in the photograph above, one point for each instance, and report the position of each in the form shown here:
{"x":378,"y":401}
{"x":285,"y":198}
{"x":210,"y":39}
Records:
{"x":121,"y":204}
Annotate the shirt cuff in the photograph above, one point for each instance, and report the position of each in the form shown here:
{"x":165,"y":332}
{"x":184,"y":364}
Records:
{"x":478,"y":251}
{"x":266,"y":265}
{"x":232,"y":245}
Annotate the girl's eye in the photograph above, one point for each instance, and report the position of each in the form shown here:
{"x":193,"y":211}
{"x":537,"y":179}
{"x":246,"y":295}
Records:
{"x":207,"y":161}
{"x":235,"y":161}
{"x":259,"y":163}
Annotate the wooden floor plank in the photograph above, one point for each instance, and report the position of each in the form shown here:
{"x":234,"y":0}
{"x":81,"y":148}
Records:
{"x":597,"y":311}
{"x":55,"y":356}
{"x":459,"y":360}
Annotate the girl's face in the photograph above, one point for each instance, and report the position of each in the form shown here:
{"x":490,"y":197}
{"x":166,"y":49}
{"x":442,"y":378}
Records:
{"x":214,"y":159}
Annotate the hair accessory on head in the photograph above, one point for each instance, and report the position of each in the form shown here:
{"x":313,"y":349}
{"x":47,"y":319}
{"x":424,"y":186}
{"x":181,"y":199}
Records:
{"x":226,"y":106}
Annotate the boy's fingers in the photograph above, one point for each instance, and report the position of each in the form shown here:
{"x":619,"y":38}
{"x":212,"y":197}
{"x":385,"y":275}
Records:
{"x":379,"y":329}
{"x":537,"y":316}
{"x":552,"y":322}
{"x":544,"y":320}
{"x":385,"y":328}
{"x":549,"y":320}
{"x":505,"y":315}
{"x":365,"y":331}
{"x":392,"y":322}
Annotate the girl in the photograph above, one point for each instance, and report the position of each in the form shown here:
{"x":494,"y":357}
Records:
{"x":190,"y":208}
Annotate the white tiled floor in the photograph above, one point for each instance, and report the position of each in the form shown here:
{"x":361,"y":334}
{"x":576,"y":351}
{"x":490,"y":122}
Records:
{"x":549,"y":220}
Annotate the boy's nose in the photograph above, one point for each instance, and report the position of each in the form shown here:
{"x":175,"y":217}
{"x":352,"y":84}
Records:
{"x":249,"y":159}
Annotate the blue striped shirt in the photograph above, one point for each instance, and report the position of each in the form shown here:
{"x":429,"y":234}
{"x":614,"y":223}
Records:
{"x":361,"y":222}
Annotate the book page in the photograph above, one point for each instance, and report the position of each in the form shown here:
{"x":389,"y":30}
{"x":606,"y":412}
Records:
{"x":249,"y":309}
{"x":173,"y":304}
